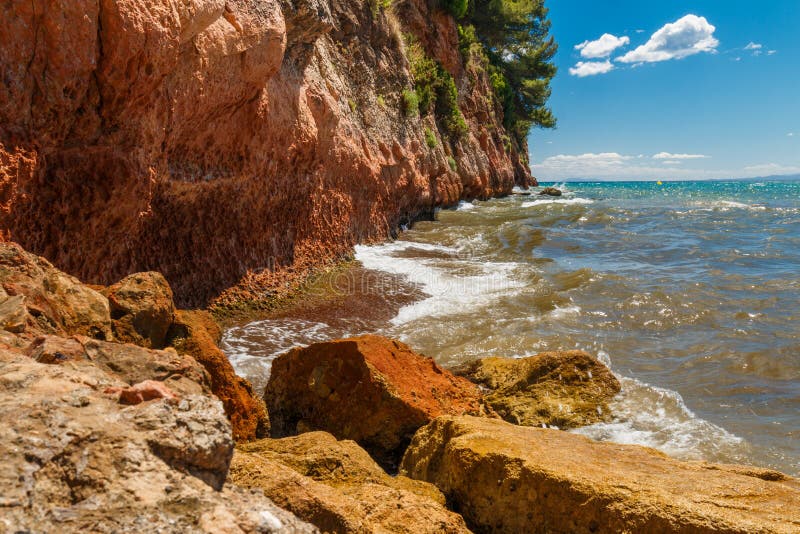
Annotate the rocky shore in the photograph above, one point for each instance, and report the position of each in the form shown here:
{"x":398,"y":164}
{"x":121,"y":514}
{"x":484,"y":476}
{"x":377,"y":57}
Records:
{"x":119,"y":413}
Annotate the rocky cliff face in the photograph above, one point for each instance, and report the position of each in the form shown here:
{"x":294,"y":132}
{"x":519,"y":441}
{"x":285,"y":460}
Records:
{"x":219,"y":141}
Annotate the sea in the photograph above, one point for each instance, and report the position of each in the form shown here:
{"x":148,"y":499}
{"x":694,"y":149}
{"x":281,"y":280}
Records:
{"x":688,"y":291}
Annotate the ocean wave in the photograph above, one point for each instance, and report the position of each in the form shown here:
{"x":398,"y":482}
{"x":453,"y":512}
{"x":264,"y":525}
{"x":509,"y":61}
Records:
{"x":725,"y":205}
{"x":449,"y":292}
{"x":567,"y":201}
{"x":658,"y":418}
{"x":260,"y":342}
{"x":566,"y":311}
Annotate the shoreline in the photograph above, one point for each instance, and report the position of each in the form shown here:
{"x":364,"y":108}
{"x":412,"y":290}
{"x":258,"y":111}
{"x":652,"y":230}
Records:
{"x":682,"y":410}
{"x":124,"y":363}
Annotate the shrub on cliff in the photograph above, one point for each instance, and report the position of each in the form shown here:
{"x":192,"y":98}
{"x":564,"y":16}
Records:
{"x":435,"y":89}
{"x":409,"y":103}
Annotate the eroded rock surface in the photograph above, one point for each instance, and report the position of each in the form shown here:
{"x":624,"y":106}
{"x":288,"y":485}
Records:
{"x":47,"y":315}
{"x":142,"y":309}
{"x":37,"y":298}
{"x":73,"y":456}
{"x":562,"y":389}
{"x":373,"y":390}
{"x":339,"y":488}
{"x":218,"y":141}
{"x":507,"y":478}
{"x":195,"y":333}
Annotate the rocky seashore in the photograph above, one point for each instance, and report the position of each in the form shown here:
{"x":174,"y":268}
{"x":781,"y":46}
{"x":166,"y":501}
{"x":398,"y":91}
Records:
{"x":118,"y":413}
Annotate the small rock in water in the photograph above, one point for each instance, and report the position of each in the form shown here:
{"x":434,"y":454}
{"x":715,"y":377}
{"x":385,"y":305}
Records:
{"x":550,"y":191}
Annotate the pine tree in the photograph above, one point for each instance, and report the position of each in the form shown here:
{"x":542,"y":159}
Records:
{"x":516,"y":37}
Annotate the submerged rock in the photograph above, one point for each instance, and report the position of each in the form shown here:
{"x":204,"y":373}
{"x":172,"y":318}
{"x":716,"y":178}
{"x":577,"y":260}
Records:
{"x":196,"y":334}
{"x":507,"y":478}
{"x":550,"y":192}
{"x":74,"y":457}
{"x":562,"y":389}
{"x":142,"y":309}
{"x":337,"y":486}
{"x":370,"y":389}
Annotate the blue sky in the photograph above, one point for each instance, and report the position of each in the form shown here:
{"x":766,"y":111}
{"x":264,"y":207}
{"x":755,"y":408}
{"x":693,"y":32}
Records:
{"x":677,"y":90}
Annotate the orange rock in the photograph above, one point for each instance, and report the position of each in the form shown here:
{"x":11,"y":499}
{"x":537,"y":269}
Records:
{"x":509,"y":479}
{"x":141,"y":309}
{"x":54,"y":350}
{"x":337,"y":486}
{"x":370,"y":389}
{"x":143,"y":392}
{"x":195,"y":333}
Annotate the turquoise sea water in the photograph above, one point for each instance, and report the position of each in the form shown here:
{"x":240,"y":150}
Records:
{"x":690,"y":291}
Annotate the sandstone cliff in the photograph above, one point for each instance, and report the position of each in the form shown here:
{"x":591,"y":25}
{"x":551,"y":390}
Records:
{"x":219,"y":141}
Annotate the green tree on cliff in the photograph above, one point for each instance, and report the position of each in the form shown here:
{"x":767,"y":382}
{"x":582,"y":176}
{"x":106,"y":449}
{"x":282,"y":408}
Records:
{"x":515,"y":35}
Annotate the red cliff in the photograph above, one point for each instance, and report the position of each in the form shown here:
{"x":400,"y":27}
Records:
{"x":220,"y":141}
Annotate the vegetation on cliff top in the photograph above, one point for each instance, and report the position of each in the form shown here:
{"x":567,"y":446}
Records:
{"x":514,"y":37}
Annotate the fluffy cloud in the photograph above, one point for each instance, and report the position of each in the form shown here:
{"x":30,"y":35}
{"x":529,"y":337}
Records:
{"x":790,"y":134}
{"x":602,"y":47}
{"x":591,"y":68}
{"x":770,"y":52}
{"x":753,"y":46}
{"x":685,"y":37}
{"x":667,"y":155}
{"x":602,"y":159}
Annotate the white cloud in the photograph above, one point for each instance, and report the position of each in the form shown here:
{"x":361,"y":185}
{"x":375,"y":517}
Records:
{"x":616,"y":166}
{"x":602,"y":47}
{"x":591,"y":68}
{"x":603,"y":158}
{"x":790,"y":134}
{"x":753,"y":46}
{"x":770,"y":52}
{"x":685,"y":37}
{"x":639,"y":31}
{"x":667,"y":155}
{"x":737,"y":59}
{"x":767,"y":169}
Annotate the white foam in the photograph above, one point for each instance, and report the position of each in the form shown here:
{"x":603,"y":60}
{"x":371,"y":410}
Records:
{"x":567,"y":201}
{"x":246,"y":345}
{"x":658,"y":418}
{"x":448,"y":292}
{"x":726,"y":205}
{"x":465,"y":206}
{"x":560,"y":313}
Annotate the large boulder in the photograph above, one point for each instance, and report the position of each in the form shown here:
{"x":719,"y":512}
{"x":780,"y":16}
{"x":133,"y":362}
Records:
{"x":196,"y":334}
{"x":37,"y":298}
{"x":561,"y":389}
{"x":507,"y":478}
{"x":370,"y":389}
{"x":74,"y":457}
{"x":142,"y":309}
{"x":337,"y":486}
